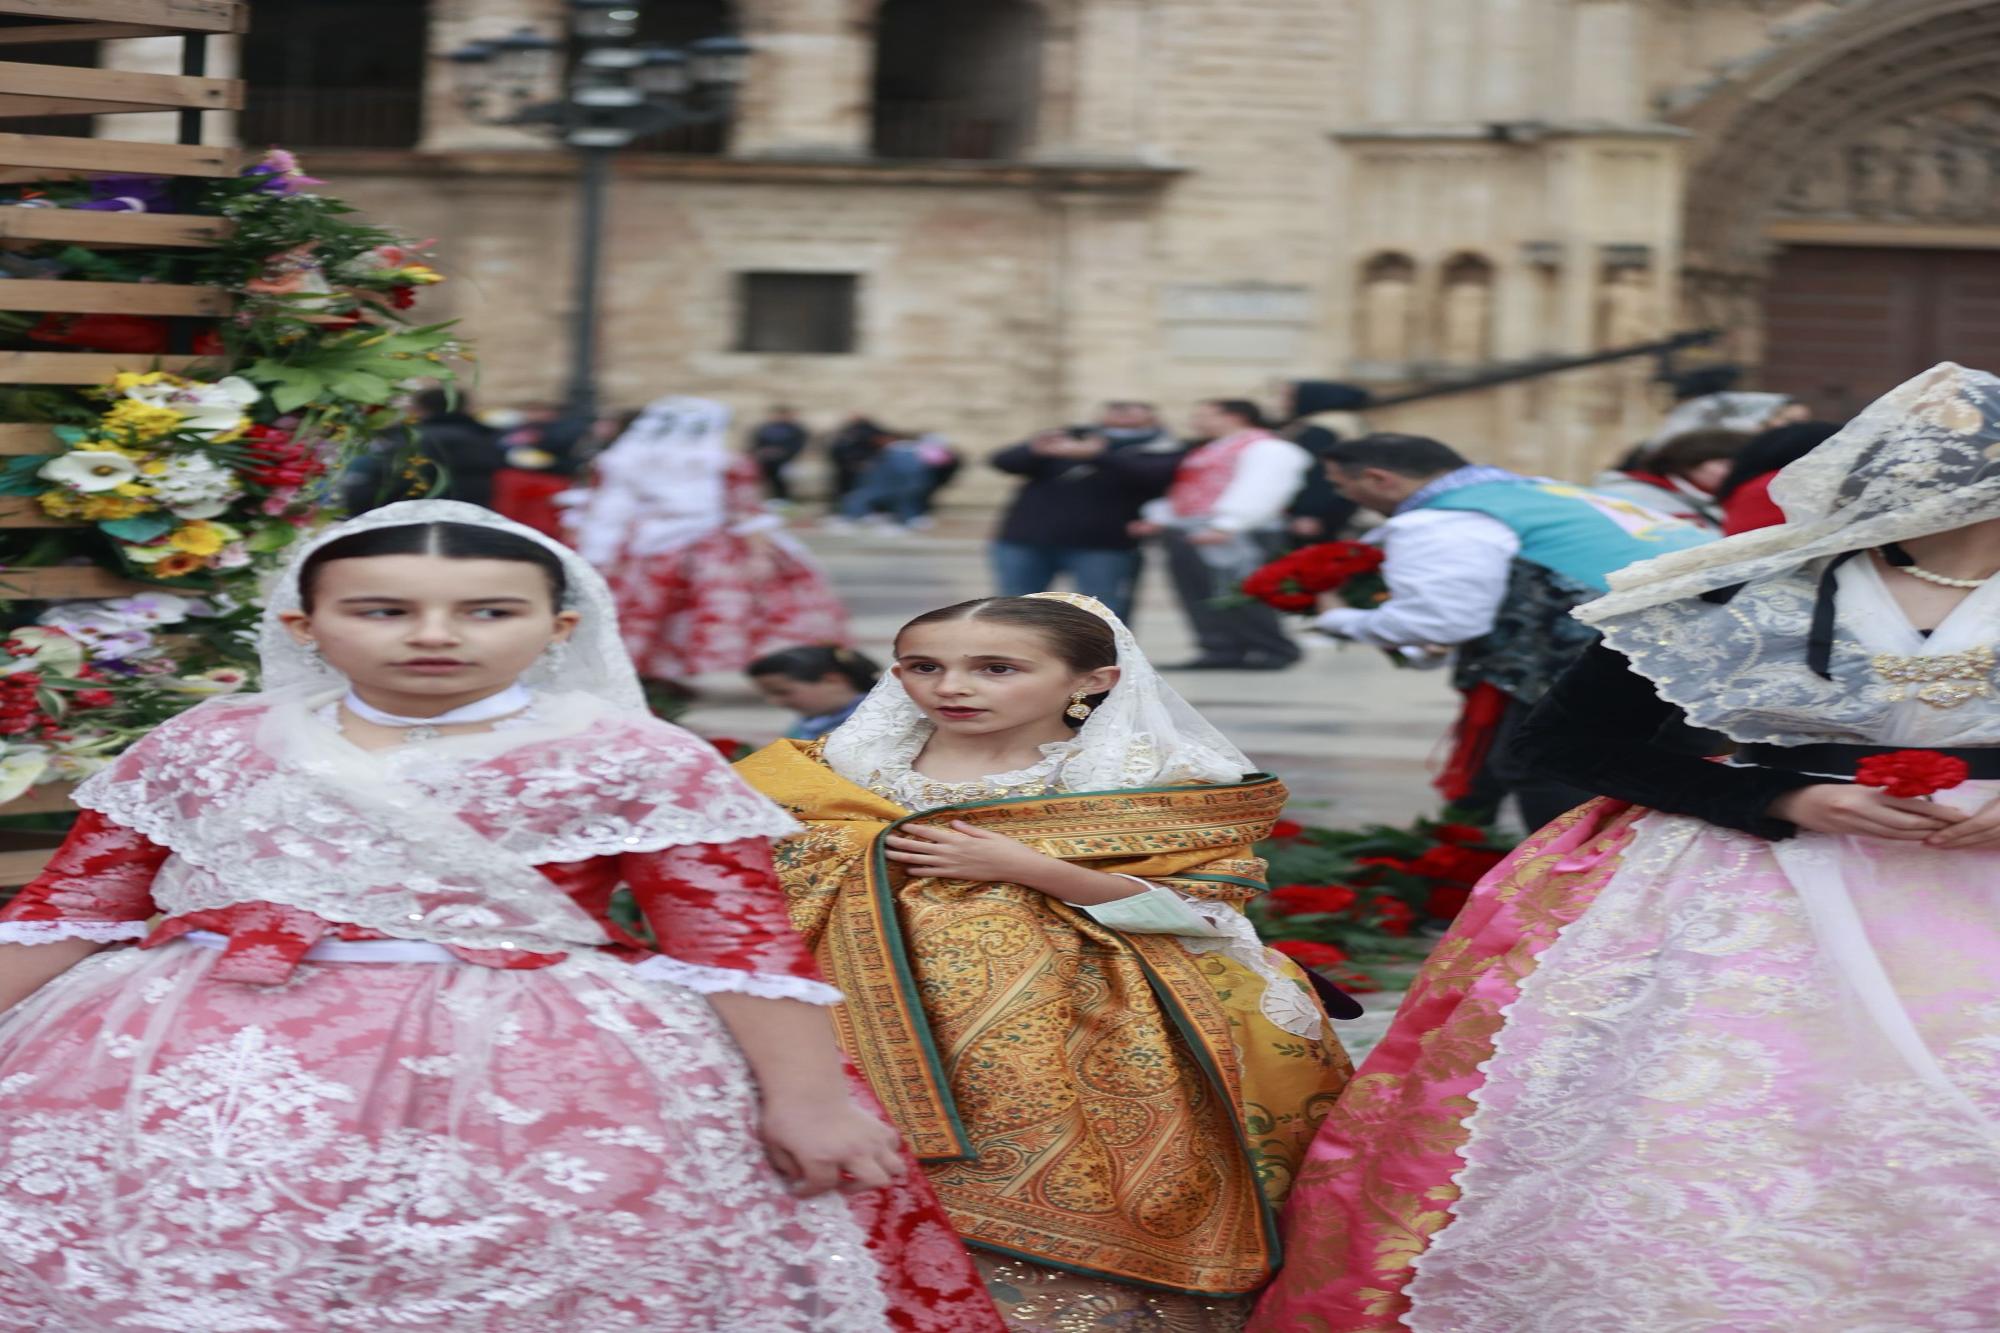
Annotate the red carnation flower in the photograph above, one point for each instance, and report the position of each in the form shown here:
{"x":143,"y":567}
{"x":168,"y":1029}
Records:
{"x":1310,"y":953}
{"x":93,"y":698}
{"x":1912,"y":773}
{"x":1286,"y":828}
{"x":402,"y":298}
{"x":1446,"y":901}
{"x":1303,"y":899}
{"x":1460,"y":835}
{"x":1396,"y":915}
{"x":1395,"y":863}
{"x":1459,"y":865}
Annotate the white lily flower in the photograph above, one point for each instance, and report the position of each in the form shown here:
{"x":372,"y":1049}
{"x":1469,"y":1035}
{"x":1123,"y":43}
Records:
{"x":20,"y":769}
{"x":206,"y":409}
{"x":49,"y":650}
{"x":89,"y":470}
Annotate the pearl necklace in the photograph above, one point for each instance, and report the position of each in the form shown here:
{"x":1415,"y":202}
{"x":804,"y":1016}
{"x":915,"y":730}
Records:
{"x":1917,"y":571}
{"x":510,"y":700}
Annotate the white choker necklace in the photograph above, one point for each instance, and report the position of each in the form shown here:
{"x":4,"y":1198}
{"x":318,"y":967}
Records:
{"x":510,"y":700}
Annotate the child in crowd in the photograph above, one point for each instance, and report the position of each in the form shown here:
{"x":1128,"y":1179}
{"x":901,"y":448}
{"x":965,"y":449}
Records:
{"x":822,"y":683}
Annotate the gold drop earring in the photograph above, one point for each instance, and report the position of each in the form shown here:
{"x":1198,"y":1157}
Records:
{"x":1078,"y":709}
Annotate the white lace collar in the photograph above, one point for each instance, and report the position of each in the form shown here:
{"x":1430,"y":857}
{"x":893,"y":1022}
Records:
{"x":897,"y":778}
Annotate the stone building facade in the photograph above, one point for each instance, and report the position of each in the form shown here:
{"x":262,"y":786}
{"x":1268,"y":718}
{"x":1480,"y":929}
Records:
{"x":980,"y":216}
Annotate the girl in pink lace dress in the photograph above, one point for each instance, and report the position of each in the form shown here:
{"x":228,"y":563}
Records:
{"x":705,"y":578}
{"x":1722,"y":1054}
{"x":381,"y":1058}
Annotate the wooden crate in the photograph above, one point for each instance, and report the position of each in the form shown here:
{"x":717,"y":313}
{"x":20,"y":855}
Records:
{"x":31,"y":89}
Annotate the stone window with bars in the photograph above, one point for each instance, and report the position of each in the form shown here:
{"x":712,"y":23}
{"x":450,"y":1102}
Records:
{"x":798,"y":313}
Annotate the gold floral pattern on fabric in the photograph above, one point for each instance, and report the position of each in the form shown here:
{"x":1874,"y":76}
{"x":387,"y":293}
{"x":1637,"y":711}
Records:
{"x":1944,"y":681}
{"x":1113,"y":1104}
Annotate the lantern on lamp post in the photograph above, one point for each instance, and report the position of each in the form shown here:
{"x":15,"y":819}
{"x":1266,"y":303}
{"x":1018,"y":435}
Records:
{"x":596,"y":88}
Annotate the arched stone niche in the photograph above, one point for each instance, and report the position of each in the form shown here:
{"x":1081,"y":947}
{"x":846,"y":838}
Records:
{"x":1385,"y":314}
{"x":1886,"y":112}
{"x":1465,"y":311}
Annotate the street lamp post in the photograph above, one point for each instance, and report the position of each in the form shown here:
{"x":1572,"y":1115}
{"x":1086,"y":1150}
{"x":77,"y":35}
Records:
{"x":613,"y":89}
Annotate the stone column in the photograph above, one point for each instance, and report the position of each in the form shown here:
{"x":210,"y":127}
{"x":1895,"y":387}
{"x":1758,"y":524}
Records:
{"x":811,"y":79}
{"x":1099,"y":83}
{"x":1606,"y":57}
{"x":1107,"y":328}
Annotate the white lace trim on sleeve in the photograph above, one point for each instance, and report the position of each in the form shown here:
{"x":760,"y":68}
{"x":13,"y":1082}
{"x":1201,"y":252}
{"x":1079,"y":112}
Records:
{"x":710,"y":980}
{"x":48,"y":932}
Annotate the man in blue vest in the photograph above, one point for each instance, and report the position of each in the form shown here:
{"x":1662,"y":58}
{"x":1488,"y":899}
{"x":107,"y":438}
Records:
{"x":1484,"y":567}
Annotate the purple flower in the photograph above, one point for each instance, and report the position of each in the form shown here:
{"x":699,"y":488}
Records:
{"x":129,"y":194}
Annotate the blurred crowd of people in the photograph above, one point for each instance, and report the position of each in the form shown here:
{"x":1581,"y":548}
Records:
{"x":686,"y":515}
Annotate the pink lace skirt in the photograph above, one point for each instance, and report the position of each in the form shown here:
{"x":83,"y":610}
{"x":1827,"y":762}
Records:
{"x":1667,"y":1078}
{"x":409,"y":1146}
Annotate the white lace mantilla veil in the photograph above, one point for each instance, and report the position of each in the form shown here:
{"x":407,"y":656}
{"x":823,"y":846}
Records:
{"x":660,"y":486}
{"x":260,"y":801}
{"x":1144,"y":734}
{"x":1925,"y":458}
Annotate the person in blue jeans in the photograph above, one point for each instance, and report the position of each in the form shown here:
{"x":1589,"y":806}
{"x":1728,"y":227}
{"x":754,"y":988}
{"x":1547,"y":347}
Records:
{"x":1082,"y":488}
{"x":900,"y":481}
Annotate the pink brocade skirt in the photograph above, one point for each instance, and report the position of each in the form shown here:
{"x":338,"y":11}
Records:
{"x":1667,"y":1078}
{"x":422,"y":1146}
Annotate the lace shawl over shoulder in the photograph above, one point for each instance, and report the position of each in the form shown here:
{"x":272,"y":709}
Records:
{"x":259,"y":804}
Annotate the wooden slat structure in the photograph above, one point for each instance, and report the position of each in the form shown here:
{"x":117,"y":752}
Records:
{"x":158,"y":17}
{"x":122,"y":298}
{"x":103,"y":231}
{"x":55,"y":155}
{"x":82,"y":367}
{"x":29,"y":89}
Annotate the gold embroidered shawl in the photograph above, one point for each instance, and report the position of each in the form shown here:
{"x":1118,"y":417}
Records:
{"x":1106,"y":1103}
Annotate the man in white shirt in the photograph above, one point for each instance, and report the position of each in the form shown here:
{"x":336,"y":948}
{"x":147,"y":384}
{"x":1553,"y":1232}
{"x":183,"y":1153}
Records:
{"x":1219,"y":521}
{"x":1484,"y":565}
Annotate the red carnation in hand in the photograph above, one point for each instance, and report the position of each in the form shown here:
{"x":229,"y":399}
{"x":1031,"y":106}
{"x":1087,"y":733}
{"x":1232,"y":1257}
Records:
{"x":1912,"y":773}
{"x":1311,"y":953}
{"x":1301,"y":899}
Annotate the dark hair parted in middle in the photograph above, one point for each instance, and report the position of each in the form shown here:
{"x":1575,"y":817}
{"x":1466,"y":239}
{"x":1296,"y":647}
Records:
{"x":1404,"y":455}
{"x":1083,"y":641}
{"x":454,"y":541}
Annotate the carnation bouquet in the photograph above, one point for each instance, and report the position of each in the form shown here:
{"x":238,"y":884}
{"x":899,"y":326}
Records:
{"x":1297,"y":581}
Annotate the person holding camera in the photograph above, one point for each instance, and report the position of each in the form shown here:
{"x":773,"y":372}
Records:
{"x":1083,"y":488}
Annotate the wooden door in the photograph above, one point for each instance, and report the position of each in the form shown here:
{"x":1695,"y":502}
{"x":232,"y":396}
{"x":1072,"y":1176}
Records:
{"x":1844,"y":324}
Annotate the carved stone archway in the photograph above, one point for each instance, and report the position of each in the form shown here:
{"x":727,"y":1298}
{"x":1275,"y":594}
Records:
{"x":1885,"y":110}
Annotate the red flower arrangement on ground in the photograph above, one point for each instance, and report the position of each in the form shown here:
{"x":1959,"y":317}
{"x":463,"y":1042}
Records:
{"x":1296,"y":582}
{"x":1364,"y":894}
{"x":1912,"y":773}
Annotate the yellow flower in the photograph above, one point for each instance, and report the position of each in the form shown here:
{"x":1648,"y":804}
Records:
{"x":198,"y":538}
{"x":138,"y":422}
{"x":133,"y":490}
{"x":181,"y":562}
